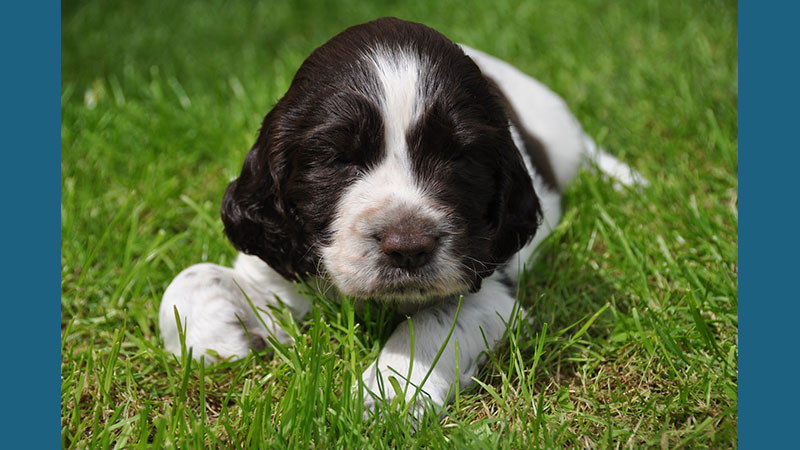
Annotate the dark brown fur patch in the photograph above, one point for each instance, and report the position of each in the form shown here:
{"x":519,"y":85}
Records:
{"x":328,"y":130}
{"x":533,"y":146}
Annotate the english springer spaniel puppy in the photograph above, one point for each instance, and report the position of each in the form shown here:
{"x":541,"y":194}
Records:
{"x":399,"y":168}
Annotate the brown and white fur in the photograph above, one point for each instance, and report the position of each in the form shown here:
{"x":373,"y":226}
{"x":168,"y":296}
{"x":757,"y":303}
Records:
{"x":399,"y":168}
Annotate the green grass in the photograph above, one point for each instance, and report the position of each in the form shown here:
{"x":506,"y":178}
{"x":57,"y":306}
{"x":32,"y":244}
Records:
{"x":634,"y":342}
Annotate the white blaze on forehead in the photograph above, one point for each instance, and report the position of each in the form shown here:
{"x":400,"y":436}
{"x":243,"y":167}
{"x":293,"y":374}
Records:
{"x":391,"y":183}
{"x":398,"y":74}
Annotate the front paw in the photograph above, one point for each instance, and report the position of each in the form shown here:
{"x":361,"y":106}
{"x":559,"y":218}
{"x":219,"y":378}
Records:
{"x":389,"y":390}
{"x":218,"y":318}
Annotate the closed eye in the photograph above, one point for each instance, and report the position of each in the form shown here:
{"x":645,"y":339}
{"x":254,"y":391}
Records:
{"x":460,"y":160}
{"x":342,"y":160}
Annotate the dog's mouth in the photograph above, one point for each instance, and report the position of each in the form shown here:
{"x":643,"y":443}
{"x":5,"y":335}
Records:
{"x":410,"y":287}
{"x":398,"y":266}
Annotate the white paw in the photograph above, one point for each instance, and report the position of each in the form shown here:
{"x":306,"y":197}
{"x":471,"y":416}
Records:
{"x":216,"y":319}
{"x":392,"y":389}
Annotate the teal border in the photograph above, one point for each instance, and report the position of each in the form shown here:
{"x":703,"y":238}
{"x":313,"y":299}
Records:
{"x":769,"y":169}
{"x":769,"y":302}
{"x":30,"y":34}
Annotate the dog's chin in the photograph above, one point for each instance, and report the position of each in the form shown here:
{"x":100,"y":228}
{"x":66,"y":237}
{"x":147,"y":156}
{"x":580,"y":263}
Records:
{"x":413,"y":294}
{"x":407,"y":292}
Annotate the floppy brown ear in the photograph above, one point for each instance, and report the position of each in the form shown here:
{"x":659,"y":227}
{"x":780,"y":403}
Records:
{"x":519,"y":211}
{"x":258,"y":221}
{"x":515,"y":214}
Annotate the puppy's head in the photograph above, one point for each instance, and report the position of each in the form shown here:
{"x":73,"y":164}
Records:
{"x":387,"y":167}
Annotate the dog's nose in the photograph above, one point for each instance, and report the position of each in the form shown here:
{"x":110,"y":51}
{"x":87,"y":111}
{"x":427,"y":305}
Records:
{"x":406,"y":247}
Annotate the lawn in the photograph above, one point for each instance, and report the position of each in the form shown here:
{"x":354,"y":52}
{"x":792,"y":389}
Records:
{"x":634,"y":297}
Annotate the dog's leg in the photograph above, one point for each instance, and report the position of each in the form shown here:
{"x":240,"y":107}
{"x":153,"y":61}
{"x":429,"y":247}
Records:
{"x":218,"y":320}
{"x":621,"y":173}
{"x":484,"y":314}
